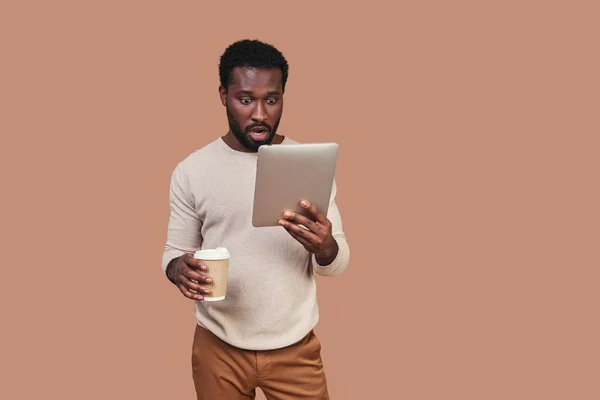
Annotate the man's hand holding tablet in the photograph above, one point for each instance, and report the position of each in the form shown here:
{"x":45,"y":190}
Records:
{"x":315,"y":235}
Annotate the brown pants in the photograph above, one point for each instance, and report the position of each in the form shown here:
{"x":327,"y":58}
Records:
{"x":221,"y":371}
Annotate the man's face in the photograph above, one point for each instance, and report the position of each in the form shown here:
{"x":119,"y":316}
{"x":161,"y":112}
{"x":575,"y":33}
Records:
{"x":254,"y":104}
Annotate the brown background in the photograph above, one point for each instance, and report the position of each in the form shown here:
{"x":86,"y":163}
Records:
{"x":468,"y":183}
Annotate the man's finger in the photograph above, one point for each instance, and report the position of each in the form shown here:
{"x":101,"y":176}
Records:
{"x":310,"y":236}
{"x":303,"y":241}
{"x":300,"y":219}
{"x":306,"y":238}
{"x":190,"y":295}
{"x":319,"y":217}
{"x":195,"y":275}
{"x":194,"y":262}
{"x":194,"y":286}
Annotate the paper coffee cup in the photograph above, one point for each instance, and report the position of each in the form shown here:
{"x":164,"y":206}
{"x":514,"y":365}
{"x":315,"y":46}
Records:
{"x":217,"y":264}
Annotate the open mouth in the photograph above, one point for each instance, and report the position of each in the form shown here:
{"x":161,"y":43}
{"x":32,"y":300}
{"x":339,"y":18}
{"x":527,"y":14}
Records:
{"x":259,"y":133}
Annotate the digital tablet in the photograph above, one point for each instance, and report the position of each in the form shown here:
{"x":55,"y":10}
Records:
{"x":288,"y":173}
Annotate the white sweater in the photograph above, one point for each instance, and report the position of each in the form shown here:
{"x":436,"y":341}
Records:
{"x":271,"y":297}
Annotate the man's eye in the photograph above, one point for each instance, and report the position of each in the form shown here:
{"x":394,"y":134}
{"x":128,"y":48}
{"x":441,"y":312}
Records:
{"x":271,"y":101}
{"x":245,"y":100}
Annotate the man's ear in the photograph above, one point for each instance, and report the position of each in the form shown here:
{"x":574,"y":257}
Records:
{"x":223,"y":95}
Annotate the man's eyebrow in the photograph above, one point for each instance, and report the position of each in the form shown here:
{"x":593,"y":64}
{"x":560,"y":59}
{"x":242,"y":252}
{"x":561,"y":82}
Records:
{"x":250,"y":92}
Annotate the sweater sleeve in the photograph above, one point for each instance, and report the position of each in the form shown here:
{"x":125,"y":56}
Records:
{"x":340,"y":263}
{"x":183,"y":232}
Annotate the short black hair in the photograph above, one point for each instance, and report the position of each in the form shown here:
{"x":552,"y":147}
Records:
{"x":251,"y":54}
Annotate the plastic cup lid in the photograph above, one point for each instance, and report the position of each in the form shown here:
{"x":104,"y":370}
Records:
{"x":212,"y":254}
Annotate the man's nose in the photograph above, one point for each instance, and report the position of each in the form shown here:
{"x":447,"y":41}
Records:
{"x":259,"y":113}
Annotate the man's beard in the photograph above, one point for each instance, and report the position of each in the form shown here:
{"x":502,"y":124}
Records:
{"x":244,"y":136}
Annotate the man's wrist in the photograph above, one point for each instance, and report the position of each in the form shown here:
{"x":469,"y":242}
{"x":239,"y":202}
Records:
{"x":328,"y":256}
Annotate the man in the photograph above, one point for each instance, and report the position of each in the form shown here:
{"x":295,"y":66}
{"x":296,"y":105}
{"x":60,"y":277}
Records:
{"x":261,"y":335}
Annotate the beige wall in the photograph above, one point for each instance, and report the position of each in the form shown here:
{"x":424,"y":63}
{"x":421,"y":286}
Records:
{"x":468,"y":184}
